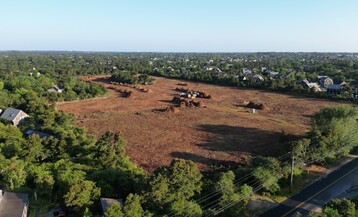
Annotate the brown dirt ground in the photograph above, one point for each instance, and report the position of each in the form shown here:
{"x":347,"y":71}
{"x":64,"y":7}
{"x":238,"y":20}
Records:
{"x":223,"y":132}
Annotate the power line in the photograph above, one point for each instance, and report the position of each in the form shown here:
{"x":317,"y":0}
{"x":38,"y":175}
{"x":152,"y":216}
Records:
{"x":255,"y":189}
{"x":218,"y":192}
{"x":259,"y":187}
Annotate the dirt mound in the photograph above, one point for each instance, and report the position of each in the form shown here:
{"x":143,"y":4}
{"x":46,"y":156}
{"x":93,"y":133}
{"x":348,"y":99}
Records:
{"x":201,"y":104}
{"x":254,"y":105}
{"x":181,"y":89}
{"x":144,"y":90}
{"x":182,"y":84}
{"x":245,"y":103}
{"x":207,"y":96}
{"x":176,"y":100}
{"x":182,"y":103}
{"x":126,"y":93}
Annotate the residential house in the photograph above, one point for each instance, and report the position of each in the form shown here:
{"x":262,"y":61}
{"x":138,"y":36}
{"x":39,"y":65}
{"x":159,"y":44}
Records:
{"x":255,"y":77}
{"x":246,"y":71}
{"x":334,"y":89}
{"x":106,"y":202}
{"x":304,"y":83}
{"x":324,"y":81}
{"x":310,"y":85}
{"x":269,"y":72}
{"x":13,"y":204}
{"x":56,"y":89}
{"x":214,"y":68}
{"x":15,"y":116}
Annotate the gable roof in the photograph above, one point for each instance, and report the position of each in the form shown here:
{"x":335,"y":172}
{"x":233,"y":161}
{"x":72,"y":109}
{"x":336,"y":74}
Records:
{"x":10,"y":114}
{"x":56,"y":88}
{"x":13,"y":204}
{"x":106,"y":202}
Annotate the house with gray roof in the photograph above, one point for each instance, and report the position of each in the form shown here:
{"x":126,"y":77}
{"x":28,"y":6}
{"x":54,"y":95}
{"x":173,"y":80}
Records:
{"x":334,"y":89}
{"x":15,"y":116}
{"x":56,"y":89}
{"x":13,"y":204}
{"x":106,"y":202}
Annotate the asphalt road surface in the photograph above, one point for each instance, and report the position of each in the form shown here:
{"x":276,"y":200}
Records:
{"x":342,"y":182}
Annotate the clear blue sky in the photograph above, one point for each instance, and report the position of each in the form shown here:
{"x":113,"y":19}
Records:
{"x":180,"y":25}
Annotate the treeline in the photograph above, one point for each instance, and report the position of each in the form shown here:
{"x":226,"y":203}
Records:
{"x":224,"y":69}
{"x":131,"y":78}
{"x":338,"y":208}
{"x":334,"y":134}
{"x":308,"y":65}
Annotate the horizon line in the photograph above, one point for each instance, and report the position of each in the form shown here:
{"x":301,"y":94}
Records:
{"x":193,"y":52}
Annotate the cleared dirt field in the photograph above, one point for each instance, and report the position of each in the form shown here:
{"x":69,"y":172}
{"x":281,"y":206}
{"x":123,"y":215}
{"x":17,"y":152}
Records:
{"x":223,"y":132}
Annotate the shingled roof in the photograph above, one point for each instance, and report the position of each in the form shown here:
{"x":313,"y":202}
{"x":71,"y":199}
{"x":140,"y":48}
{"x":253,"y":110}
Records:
{"x":10,"y":114}
{"x":14,"y":204}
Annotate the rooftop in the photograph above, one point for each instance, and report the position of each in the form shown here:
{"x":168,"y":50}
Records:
{"x":10,"y":114}
{"x":13,"y":204}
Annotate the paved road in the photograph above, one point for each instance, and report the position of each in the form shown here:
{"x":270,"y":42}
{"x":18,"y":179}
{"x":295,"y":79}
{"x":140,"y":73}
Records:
{"x":342,"y":182}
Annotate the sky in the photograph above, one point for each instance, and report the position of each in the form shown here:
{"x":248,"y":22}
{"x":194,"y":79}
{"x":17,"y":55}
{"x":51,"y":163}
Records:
{"x":180,"y":25}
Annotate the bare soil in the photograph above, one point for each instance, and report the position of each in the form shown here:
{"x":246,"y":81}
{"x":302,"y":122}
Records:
{"x":222,"y":132}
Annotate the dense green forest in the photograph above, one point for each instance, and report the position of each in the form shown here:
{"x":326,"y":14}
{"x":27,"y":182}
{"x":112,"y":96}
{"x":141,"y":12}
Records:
{"x":73,"y":169}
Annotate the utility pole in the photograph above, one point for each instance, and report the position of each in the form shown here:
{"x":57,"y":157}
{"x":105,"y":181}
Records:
{"x":292,"y":167}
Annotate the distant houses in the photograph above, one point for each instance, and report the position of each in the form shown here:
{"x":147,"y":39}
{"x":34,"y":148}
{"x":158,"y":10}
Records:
{"x":269,"y":72}
{"x":15,"y":116}
{"x":13,"y":204}
{"x":248,"y":74}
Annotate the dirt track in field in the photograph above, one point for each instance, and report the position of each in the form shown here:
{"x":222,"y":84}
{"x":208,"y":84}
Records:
{"x":223,"y":132}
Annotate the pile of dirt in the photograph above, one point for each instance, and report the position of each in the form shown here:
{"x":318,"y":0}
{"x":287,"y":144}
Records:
{"x":207,"y":96}
{"x":144,"y":90}
{"x":176,"y":100}
{"x":254,"y":105}
{"x":245,"y":103}
{"x":182,"y":103}
{"x":181,"y":89}
{"x":126,"y":93}
{"x":182,"y":84}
